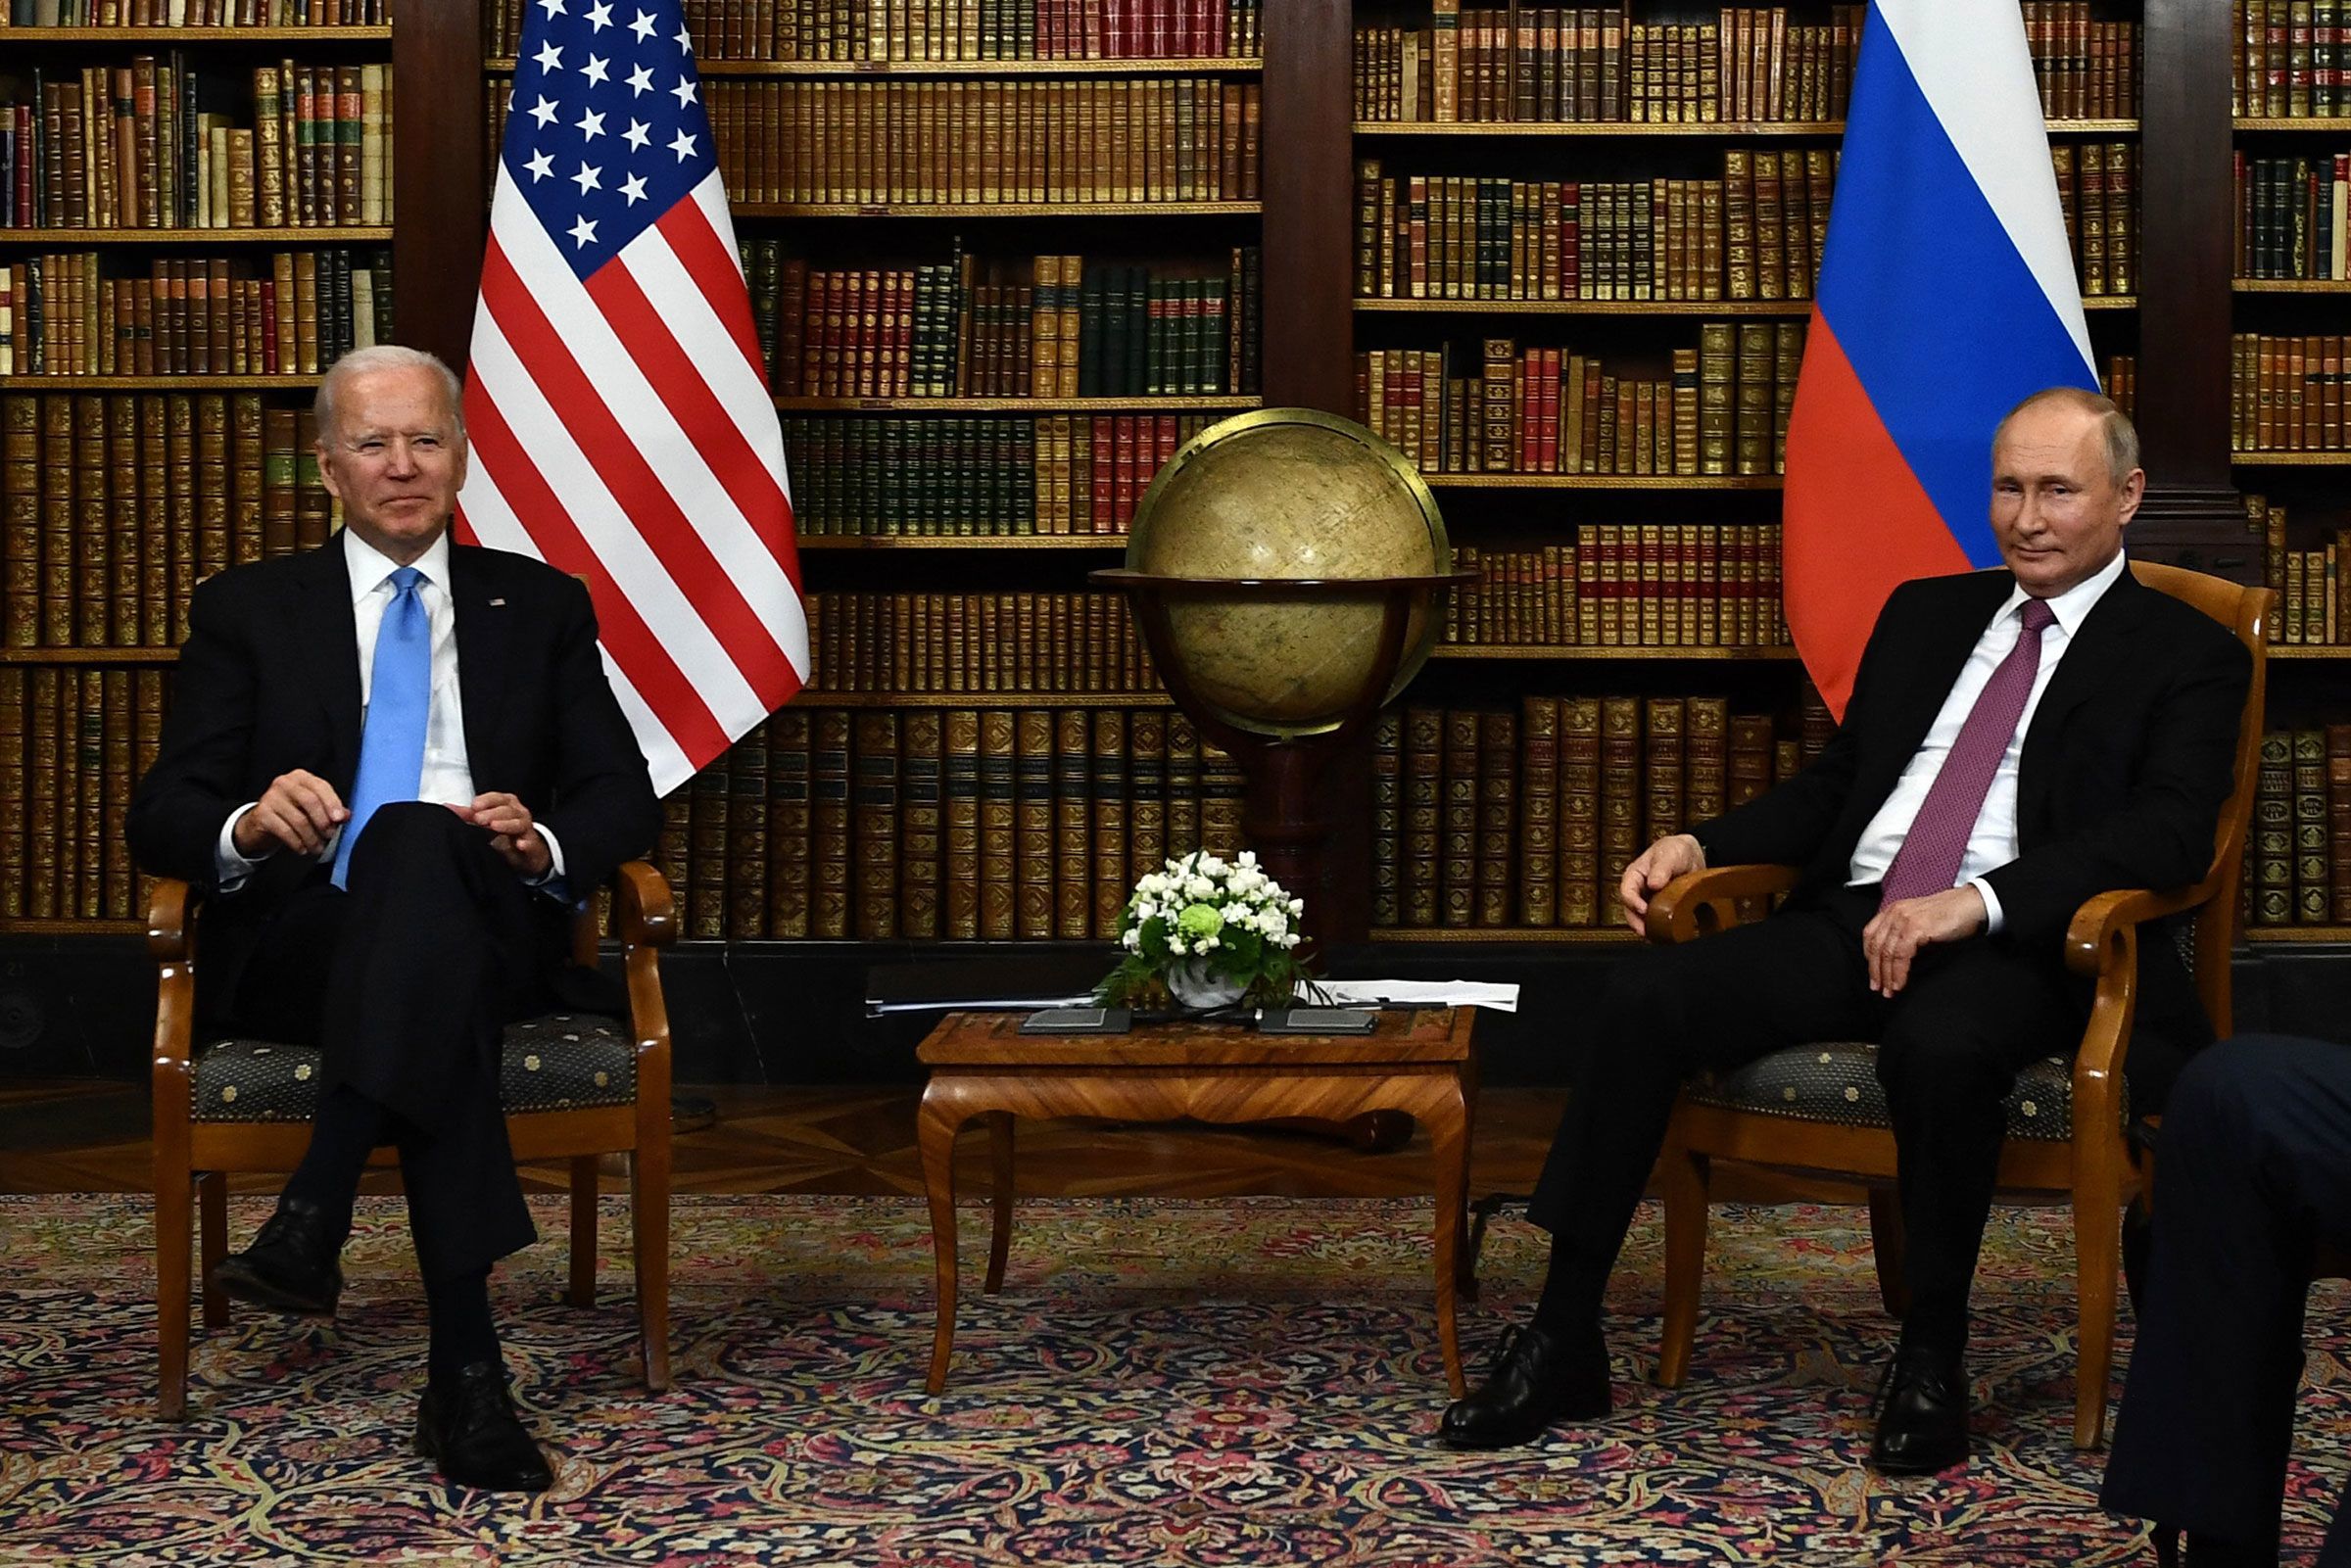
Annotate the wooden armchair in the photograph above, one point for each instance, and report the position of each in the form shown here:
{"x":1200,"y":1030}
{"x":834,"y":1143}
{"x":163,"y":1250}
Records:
{"x":1817,"y":1109}
{"x":574,"y":1087}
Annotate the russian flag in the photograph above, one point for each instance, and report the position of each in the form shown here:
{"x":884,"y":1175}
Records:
{"x":1947,"y":296}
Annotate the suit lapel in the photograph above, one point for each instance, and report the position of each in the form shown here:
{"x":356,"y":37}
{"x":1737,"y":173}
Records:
{"x":1936,"y":656}
{"x":485,"y":627}
{"x":2096,"y":651}
{"x":327,"y":622}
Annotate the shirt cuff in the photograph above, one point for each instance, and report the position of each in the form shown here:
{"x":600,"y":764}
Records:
{"x":231,"y":867}
{"x":1992,"y":904}
{"x":553,"y":881}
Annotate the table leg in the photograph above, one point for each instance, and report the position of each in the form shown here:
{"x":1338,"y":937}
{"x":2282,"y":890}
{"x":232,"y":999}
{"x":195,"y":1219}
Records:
{"x":999,"y":1235}
{"x":1449,"y":1151}
{"x":936,"y":1126}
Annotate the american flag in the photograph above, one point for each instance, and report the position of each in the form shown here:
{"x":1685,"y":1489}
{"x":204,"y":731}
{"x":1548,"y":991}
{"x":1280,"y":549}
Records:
{"x":615,"y":401}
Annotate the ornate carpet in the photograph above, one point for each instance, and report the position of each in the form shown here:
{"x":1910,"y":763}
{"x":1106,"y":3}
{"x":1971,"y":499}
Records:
{"x":1220,"y":1384}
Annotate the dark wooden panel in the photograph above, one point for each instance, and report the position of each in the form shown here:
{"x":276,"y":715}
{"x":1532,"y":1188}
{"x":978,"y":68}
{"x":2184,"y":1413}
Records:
{"x":440,"y":203}
{"x":2185,"y":203}
{"x":1307,"y":183}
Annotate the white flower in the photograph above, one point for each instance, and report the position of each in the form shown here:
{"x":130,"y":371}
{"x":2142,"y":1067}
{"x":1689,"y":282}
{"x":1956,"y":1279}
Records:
{"x":1245,"y":859}
{"x":1133,"y":941}
{"x":1199,"y":890}
{"x":1208,"y":942}
{"x":1289,"y":941}
{"x":1210,"y":866}
{"x":1297,"y":906}
{"x":1236,"y":911}
{"x":1175,"y":946}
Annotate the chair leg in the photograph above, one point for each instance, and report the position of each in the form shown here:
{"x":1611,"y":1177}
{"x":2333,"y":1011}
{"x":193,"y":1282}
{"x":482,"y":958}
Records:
{"x":211,"y":1194}
{"x":174,"y":1218}
{"x":2098,"y":1249}
{"x":648,"y":1226}
{"x":583,"y":1231}
{"x":1686,"y":1178}
{"x":1886,"y":1244}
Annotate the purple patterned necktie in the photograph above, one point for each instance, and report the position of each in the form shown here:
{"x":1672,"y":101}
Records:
{"x":1928,"y":861}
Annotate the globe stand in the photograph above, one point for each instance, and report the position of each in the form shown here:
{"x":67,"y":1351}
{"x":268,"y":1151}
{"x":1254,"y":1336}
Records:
{"x":1283,"y":810}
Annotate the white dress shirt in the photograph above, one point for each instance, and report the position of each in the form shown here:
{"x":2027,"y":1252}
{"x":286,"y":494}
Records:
{"x":1993,"y":842}
{"x":447,"y":776}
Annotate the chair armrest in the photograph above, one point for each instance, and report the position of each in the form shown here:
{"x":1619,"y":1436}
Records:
{"x":644,"y":911}
{"x":2102,"y":944}
{"x":1691,"y":906}
{"x":168,"y":933}
{"x":171,"y":938}
{"x":2101,"y":919}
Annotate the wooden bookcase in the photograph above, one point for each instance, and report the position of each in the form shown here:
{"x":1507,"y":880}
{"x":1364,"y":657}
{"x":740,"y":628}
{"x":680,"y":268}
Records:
{"x":1314,"y":325}
{"x":155,"y":441}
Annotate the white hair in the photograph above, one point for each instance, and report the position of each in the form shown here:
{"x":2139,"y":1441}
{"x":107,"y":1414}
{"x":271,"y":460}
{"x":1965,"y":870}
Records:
{"x":385,"y":357}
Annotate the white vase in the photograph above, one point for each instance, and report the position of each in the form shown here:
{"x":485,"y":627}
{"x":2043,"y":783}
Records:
{"x":1199,"y":988}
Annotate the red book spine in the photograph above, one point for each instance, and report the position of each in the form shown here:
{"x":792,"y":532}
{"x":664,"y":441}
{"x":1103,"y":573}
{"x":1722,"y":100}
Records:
{"x":1547,"y":457}
{"x":1123,"y":442}
{"x":1109,"y":518}
{"x":269,"y":337}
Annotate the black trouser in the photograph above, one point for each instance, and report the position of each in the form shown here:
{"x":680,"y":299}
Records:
{"x":405,"y":982}
{"x":1949,"y":1044}
{"x":2252,"y":1170}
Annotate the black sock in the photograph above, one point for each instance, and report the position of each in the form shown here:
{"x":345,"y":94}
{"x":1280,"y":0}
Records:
{"x":1937,"y":1327}
{"x":1572,"y":1287}
{"x":463,"y":1333}
{"x":344,"y":1131}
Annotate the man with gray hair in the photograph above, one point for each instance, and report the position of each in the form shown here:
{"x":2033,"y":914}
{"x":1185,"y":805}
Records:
{"x":2018,"y":742}
{"x":389,"y":765}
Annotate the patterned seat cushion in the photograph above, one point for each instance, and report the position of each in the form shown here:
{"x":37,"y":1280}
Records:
{"x":560,"y":1062}
{"x":1838,"y":1082}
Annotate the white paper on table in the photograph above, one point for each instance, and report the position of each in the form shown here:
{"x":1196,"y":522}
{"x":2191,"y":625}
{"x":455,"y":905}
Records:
{"x":1502,"y":997}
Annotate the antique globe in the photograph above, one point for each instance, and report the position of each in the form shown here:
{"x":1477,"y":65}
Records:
{"x":1278,"y":545}
{"x":1285,"y":569}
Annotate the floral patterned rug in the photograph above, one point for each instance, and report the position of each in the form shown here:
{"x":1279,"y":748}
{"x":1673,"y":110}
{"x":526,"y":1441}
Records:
{"x":1221,"y":1384}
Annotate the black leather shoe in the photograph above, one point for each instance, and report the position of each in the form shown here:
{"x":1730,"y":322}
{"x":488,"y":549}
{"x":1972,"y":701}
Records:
{"x":1922,"y":1416}
{"x":471,"y":1433}
{"x":291,"y":1266}
{"x":1536,"y":1378}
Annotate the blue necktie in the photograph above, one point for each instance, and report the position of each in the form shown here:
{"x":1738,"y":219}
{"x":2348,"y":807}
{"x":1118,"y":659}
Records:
{"x":392,"y":747}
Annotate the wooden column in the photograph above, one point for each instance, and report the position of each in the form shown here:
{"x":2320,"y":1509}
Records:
{"x":440,"y":200}
{"x":2191,"y":516}
{"x":1307,"y":178}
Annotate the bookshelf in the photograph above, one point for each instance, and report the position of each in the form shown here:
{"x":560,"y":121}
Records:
{"x":1584,"y":263}
{"x":1046,"y":758}
{"x":193,"y":222}
{"x":2289,"y":284}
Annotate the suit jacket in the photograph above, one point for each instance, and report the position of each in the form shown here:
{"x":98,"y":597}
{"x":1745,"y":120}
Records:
{"x":269,"y":680}
{"x":2126,"y":765}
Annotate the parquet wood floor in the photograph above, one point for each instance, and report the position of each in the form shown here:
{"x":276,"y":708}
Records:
{"x":81,"y":1136}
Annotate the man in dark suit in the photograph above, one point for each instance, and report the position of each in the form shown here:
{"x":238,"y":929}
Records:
{"x":389,"y":763}
{"x":2017,"y":741}
{"x":2252,"y":1172}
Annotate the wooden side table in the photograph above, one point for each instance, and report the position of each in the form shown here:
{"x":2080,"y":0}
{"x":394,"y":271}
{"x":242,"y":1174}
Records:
{"x":1417,"y":1061}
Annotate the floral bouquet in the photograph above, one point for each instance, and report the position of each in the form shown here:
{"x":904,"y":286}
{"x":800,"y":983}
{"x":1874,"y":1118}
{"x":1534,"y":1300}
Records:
{"x":1212,"y":932}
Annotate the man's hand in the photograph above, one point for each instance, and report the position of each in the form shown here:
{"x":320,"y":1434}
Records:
{"x":513,"y":835}
{"x":1659,"y":864}
{"x":296,"y":812}
{"x":1896,"y":933}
